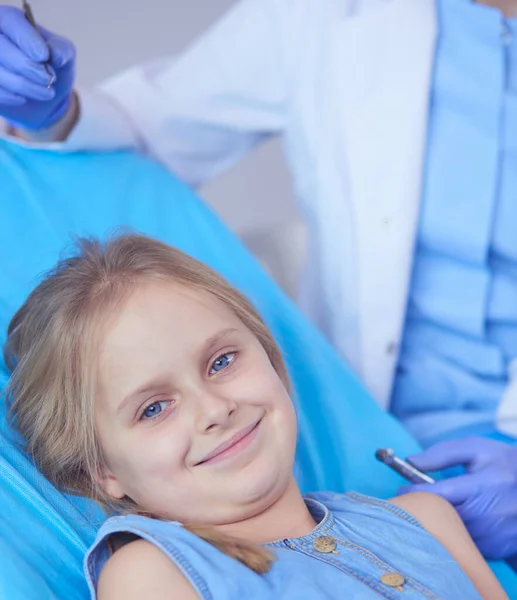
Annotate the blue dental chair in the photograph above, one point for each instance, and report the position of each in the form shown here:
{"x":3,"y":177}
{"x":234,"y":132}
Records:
{"x":46,"y":197}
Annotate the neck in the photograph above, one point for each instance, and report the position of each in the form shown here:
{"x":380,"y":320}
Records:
{"x":288,"y":517}
{"x":507,"y":7}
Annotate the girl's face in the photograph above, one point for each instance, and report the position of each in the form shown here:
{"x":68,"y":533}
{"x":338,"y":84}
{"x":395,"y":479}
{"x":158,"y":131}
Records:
{"x":194,"y":423}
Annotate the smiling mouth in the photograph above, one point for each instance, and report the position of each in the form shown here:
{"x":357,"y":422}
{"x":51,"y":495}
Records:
{"x":233,"y":446}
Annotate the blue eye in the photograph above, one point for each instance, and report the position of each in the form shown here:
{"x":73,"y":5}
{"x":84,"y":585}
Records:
{"x":222,"y":362}
{"x":154,"y":409}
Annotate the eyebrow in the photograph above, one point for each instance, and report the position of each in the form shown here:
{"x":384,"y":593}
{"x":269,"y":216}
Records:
{"x":147,"y":388}
{"x":158,"y":383}
{"x":216,"y":338}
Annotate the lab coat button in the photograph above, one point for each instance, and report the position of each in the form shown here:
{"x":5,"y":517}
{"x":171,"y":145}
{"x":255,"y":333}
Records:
{"x":506,"y":34}
{"x":392,"y":348}
{"x":512,"y":370}
{"x":325,"y":544}
{"x":393,"y":580}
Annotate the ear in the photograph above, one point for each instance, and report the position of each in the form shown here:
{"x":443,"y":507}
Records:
{"x":108,"y":483}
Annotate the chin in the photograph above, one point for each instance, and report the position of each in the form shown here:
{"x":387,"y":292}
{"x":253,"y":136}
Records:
{"x":264,"y":484}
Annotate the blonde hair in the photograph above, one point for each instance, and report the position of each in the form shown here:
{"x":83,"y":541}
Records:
{"x":50,"y":349}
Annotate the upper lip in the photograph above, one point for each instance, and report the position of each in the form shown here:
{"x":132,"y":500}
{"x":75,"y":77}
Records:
{"x":229,"y":443}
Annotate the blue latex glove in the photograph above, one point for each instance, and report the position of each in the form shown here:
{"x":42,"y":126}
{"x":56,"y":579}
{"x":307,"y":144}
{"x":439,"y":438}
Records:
{"x":25,"y":100}
{"x":485,"y":497}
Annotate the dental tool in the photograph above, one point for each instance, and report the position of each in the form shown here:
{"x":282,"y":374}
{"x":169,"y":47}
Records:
{"x":29,"y":15}
{"x":402,"y":467}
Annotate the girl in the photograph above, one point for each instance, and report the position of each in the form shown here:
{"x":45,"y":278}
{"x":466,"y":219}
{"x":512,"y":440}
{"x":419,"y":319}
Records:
{"x":143,"y":380}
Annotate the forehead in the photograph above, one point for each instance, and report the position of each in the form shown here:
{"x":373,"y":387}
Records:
{"x":167,"y":310}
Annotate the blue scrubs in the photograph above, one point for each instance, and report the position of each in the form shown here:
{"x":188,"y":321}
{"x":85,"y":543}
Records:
{"x":461,"y":327}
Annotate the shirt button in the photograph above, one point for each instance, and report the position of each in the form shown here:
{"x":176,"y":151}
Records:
{"x":393,"y":580}
{"x":325,"y":544}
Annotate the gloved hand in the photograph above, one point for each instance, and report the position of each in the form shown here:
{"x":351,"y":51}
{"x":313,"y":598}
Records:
{"x":485,"y":497}
{"x":25,"y":100}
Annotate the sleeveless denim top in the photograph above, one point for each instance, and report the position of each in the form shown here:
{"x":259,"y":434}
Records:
{"x":362,"y":548}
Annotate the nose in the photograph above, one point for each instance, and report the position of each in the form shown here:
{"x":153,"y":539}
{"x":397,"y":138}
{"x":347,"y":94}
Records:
{"x":214,"y":411}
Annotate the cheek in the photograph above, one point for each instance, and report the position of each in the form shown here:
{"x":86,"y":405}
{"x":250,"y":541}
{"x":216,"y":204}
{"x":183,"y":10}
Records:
{"x":260,"y":381}
{"x":280,"y":399}
{"x":147,"y":454}
{"x":282,"y":412}
{"x":288,"y":423}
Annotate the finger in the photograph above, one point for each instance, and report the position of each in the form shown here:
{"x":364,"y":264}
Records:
{"x":62,"y":51}
{"x":15,"y":26}
{"x":18,"y":85}
{"x":480,"y":527}
{"x":499,"y":543}
{"x":14,"y":60}
{"x":456,"y":489}
{"x":9,"y":99}
{"x":447,"y":454}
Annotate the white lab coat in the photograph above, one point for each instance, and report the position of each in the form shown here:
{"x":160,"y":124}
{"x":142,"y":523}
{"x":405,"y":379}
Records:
{"x":346,"y":83}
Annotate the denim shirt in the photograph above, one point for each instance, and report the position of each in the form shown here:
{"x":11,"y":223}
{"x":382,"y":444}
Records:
{"x":362,"y":548}
{"x":461,"y":328}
